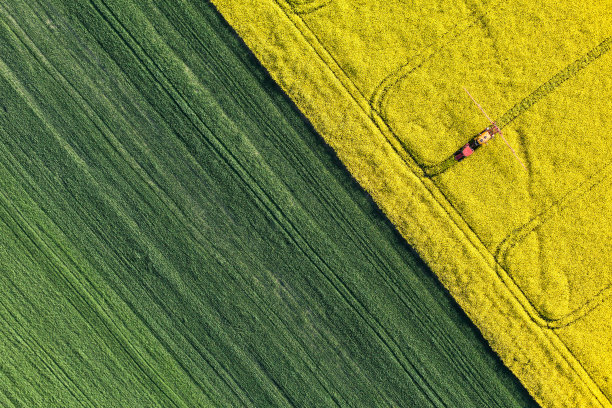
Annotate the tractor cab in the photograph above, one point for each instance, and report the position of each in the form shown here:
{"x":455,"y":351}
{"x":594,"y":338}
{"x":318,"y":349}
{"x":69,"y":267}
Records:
{"x":486,"y":135}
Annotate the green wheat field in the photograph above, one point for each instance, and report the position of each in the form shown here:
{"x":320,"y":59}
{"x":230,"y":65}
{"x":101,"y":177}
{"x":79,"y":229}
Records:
{"x":173,"y":233}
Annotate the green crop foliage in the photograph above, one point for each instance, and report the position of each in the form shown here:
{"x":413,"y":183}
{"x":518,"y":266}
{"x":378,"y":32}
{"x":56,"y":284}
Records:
{"x":173,"y":234}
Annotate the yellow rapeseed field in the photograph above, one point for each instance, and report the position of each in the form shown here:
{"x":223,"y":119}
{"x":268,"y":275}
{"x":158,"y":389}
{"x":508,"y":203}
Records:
{"x":523,"y":243}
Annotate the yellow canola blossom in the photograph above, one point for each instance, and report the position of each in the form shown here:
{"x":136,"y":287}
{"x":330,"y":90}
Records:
{"x":525,"y":251}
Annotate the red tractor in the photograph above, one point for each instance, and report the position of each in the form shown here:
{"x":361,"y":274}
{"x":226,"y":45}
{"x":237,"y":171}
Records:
{"x":480,"y":139}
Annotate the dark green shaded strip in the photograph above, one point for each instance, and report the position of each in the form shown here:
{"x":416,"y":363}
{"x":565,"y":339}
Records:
{"x":568,"y":72}
{"x":541,"y":92}
{"x":441,"y":167}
